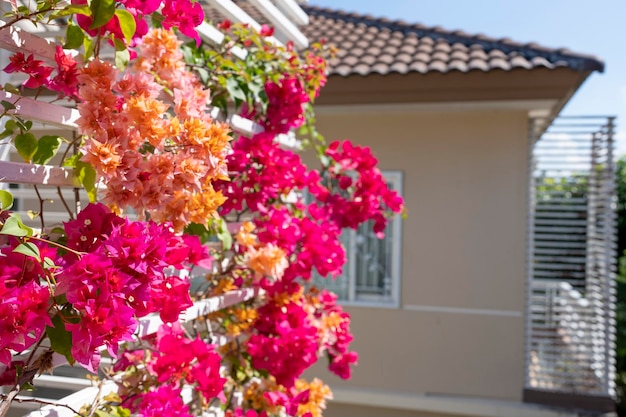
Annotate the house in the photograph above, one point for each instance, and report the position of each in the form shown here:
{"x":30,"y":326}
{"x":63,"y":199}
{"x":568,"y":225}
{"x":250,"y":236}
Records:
{"x":447,"y":310}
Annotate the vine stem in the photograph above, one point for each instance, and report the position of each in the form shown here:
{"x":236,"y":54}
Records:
{"x":41,"y":203}
{"x":37,"y":401}
{"x":58,"y":245}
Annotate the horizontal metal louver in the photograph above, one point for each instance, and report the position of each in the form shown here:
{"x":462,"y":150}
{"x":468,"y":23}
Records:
{"x":571,"y":257}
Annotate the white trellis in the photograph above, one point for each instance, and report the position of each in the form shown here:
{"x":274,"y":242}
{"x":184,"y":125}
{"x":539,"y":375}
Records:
{"x":284,"y":14}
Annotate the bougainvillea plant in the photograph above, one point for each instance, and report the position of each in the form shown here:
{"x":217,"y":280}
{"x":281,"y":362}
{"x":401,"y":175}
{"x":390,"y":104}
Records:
{"x":244,"y":209}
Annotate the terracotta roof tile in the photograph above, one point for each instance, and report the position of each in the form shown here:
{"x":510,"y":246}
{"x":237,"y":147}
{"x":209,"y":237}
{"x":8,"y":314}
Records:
{"x":458,"y":65}
{"x":418,"y":66}
{"x":367,"y":44}
{"x":460,"y":55}
{"x":478,"y":64}
{"x":400,"y":47}
{"x":399,"y":67}
{"x":404,"y":58}
{"x":440,"y":56}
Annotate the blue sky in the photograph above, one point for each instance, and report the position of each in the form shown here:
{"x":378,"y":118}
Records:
{"x":595,"y":27}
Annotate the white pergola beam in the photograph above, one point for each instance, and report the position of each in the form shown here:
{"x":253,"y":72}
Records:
{"x":41,"y":111}
{"x":211,"y":34}
{"x":233,"y":12}
{"x":20,"y":173}
{"x":15,"y":39}
{"x":292,"y":10}
{"x":281,"y":22}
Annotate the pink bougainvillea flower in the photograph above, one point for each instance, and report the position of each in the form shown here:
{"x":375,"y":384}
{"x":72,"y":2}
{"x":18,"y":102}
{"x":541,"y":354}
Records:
{"x":145,"y":7}
{"x":66,"y":80}
{"x":224,"y":24}
{"x":285,"y":105}
{"x":36,"y":70}
{"x":266,"y":30}
{"x":162,"y":401}
{"x":185,"y":15}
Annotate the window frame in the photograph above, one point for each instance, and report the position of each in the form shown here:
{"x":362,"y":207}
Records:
{"x":396,"y":178}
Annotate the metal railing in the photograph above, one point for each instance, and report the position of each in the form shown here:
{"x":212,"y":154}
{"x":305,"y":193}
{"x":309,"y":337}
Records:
{"x":570,"y":329}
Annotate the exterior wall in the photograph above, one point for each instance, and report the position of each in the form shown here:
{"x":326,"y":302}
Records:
{"x":342,"y":410}
{"x":460,"y":327}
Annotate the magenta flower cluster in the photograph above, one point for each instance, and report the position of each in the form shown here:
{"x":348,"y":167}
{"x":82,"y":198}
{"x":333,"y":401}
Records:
{"x":24,"y":308}
{"x":285,"y":343}
{"x":176,"y":361}
{"x":262,"y":173}
{"x":122,"y":276}
{"x":285,"y":110}
{"x":182,"y":14}
{"x":352,"y":190}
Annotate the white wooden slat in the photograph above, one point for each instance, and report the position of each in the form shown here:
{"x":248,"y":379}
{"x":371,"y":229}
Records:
{"x":282,"y":24}
{"x":41,"y":111}
{"x":233,"y":12}
{"x":15,"y":172}
{"x":292,"y":10}
{"x":24,"y":402}
{"x":150,"y":324}
{"x":76,"y":401}
{"x":61,"y":382}
{"x":248,"y":127}
{"x":15,"y":39}
{"x":211,"y":34}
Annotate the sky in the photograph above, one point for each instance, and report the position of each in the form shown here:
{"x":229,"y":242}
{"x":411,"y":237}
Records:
{"x":596,"y":27}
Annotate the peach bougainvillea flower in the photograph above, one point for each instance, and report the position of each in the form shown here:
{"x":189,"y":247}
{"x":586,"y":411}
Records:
{"x":268,"y":261}
{"x":150,"y":137}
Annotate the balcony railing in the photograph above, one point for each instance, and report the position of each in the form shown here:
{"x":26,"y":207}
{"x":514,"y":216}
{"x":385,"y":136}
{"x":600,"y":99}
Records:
{"x":570,"y":340}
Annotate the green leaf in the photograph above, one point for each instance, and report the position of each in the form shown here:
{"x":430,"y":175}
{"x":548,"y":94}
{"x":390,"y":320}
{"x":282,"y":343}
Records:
{"x":89,"y":46}
{"x":86,"y":174}
{"x":10,"y":125}
{"x":122,"y":58}
{"x":47,"y":147}
{"x":28,"y":249}
{"x":157,"y":20}
{"x":10,"y":88}
{"x":26,"y":145}
{"x":102,"y":12}
{"x":199,"y":230}
{"x":6,"y":200}
{"x":13,"y":226}
{"x":224,"y":235}
{"x":119,"y":411}
{"x":72,"y":9}
{"x":7,"y":105}
{"x":71,"y":161}
{"x":74,"y":37}
{"x":234,"y":89}
{"x":60,"y":338}
{"x":48,"y":263}
{"x":6,"y":133}
{"x":127,"y":23}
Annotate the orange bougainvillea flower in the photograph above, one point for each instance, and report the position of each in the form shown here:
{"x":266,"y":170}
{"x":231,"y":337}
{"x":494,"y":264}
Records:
{"x":318,"y":393}
{"x":150,"y":137}
{"x":268,"y":261}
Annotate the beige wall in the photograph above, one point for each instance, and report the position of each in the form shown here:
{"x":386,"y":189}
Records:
{"x":342,"y":410}
{"x":465,"y":185}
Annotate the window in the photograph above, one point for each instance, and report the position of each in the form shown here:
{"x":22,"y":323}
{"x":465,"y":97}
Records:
{"x":371,"y":275}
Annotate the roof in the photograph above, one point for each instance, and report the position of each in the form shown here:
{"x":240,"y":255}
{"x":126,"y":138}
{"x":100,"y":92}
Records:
{"x":368,"y":45}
